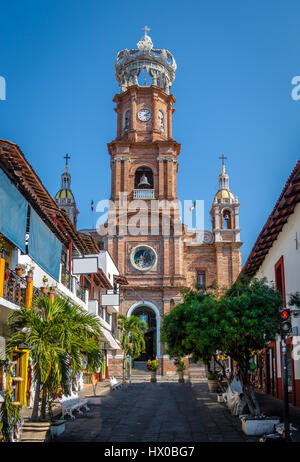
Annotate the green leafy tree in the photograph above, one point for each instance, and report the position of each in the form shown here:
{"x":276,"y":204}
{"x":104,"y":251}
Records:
{"x":62,"y":338}
{"x":132,"y":339}
{"x":240,"y":322}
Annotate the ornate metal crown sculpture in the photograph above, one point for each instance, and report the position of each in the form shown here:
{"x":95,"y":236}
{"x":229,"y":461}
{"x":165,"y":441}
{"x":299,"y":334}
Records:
{"x":159,"y":64}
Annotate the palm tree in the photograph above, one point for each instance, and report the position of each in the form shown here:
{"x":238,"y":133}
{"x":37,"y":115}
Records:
{"x":62,"y":338}
{"x":132,"y":338}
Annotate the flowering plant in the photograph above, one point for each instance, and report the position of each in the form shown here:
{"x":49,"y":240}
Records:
{"x":152,"y":365}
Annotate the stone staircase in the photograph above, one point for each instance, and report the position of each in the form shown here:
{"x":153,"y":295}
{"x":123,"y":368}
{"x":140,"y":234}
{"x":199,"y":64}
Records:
{"x":35,"y":432}
{"x":197,"y":373}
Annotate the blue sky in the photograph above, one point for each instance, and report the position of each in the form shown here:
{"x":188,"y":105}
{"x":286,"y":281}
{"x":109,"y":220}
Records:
{"x":233,"y":88}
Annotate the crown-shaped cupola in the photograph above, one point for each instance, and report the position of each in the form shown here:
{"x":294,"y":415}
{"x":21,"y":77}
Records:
{"x":145,"y":66}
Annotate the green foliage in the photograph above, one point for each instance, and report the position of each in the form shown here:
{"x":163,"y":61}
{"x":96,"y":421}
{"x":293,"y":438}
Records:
{"x":62,"y":338}
{"x":131,"y":335}
{"x":9,"y":418}
{"x":180,"y":365}
{"x":241,"y":321}
{"x":152,"y":365}
{"x":213,"y":375}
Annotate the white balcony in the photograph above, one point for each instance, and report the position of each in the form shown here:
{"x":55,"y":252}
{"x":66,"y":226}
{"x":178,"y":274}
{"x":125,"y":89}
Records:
{"x":112,"y":301}
{"x":143,"y":194}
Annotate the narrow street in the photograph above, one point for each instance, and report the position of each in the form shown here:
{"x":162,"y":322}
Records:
{"x":155,"y":412}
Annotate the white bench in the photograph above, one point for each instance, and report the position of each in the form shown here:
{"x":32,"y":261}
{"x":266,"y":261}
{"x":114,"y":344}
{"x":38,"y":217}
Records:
{"x":114,"y":384}
{"x":72,"y":403}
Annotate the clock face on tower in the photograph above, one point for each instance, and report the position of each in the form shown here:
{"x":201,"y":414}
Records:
{"x":143,"y":257}
{"x":144,"y":115}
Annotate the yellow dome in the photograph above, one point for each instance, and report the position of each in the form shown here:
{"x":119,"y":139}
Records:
{"x":224,"y":194}
{"x":64,"y":194}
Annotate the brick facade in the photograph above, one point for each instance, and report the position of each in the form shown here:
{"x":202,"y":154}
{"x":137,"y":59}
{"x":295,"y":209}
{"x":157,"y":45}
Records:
{"x":178,"y":257}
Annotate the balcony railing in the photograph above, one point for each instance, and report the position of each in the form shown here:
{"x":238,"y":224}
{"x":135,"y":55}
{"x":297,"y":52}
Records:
{"x":66,"y":278}
{"x":143,"y":194}
{"x":14,"y":288}
{"x":79,"y":290}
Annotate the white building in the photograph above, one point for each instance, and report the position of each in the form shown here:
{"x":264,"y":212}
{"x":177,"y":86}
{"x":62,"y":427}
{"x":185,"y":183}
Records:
{"x":276,"y":256}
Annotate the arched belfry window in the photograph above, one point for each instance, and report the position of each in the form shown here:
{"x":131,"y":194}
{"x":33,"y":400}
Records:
{"x":143,"y":178}
{"x":126,"y":121}
{"x":161,"y":121}
{"x":226,"y":219}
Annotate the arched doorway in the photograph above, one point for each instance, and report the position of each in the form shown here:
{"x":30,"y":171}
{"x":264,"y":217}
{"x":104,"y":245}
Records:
{"x":149,"y":309}
{"x":147,"y":315}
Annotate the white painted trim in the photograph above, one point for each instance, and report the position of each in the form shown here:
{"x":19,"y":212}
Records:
{"x":7,"y":304}
{"x":157,"y":314}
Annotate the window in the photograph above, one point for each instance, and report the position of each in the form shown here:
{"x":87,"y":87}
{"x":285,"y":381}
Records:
{"x":279,"y":278}
{"x":126,"y":123}
{"x":201,"y":280}
{"x":161,"y":121}
{"x":226,"y":220}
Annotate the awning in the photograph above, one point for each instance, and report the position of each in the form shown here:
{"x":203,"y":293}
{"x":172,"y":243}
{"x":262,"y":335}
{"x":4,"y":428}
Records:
{"x":13,"y":212}
{"x":113,"y":345}
{"x":44,"y":247}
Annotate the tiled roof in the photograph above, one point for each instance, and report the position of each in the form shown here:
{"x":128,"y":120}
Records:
{"x":284,"y":207}
{"x":23,"y":176}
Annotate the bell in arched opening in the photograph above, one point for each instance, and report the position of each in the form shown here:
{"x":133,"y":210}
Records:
{"x":143,"y":178}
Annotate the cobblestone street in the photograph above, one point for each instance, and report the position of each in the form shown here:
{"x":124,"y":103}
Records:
{"x":155,"y":412}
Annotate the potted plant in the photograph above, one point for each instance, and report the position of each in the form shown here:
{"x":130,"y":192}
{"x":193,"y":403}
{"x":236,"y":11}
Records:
{"x":152,"y":366}
{"x":52,"y":290}
{"x":65,"y":278}
{"x":213,"y":382}
{"x":2,"y":246}
{"x":44,"y":289}
{"x":30,"y":274}
{"x":180,"y":369}
{"x":20,"y":269}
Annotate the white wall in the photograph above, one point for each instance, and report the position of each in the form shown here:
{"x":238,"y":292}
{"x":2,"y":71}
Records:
{"x":285,"y":245}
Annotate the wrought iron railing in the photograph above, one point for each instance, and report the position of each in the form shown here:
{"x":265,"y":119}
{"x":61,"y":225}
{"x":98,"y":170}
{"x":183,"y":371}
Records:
{"x":80,"y":292}
{"x":66,"y":278}
{"x":14,"y":287}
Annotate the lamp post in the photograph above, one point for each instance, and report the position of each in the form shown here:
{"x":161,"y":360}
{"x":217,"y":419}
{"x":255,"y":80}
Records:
{"x":285,"y":328}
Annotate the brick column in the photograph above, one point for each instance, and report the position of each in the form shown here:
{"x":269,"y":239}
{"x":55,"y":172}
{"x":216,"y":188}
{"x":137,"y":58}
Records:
{"x":166,"y":272}
{"x":161,"y":180}
{"x":126,"y":173}
{"x":155,"y":113}
{"x":133,"y":112}
{"x":177,"y":256}
{"x":169,"y":121}
{"x":119,"y":121}
{"x":170,"y":179}
{"x":118,"y":176}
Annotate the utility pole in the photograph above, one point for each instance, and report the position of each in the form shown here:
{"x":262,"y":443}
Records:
{"x":285,"y":329}
{"x":286,"y":407}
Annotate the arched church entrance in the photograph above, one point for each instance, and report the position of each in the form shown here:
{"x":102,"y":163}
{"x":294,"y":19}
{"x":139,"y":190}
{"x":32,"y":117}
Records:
{"x":147,"y":315}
